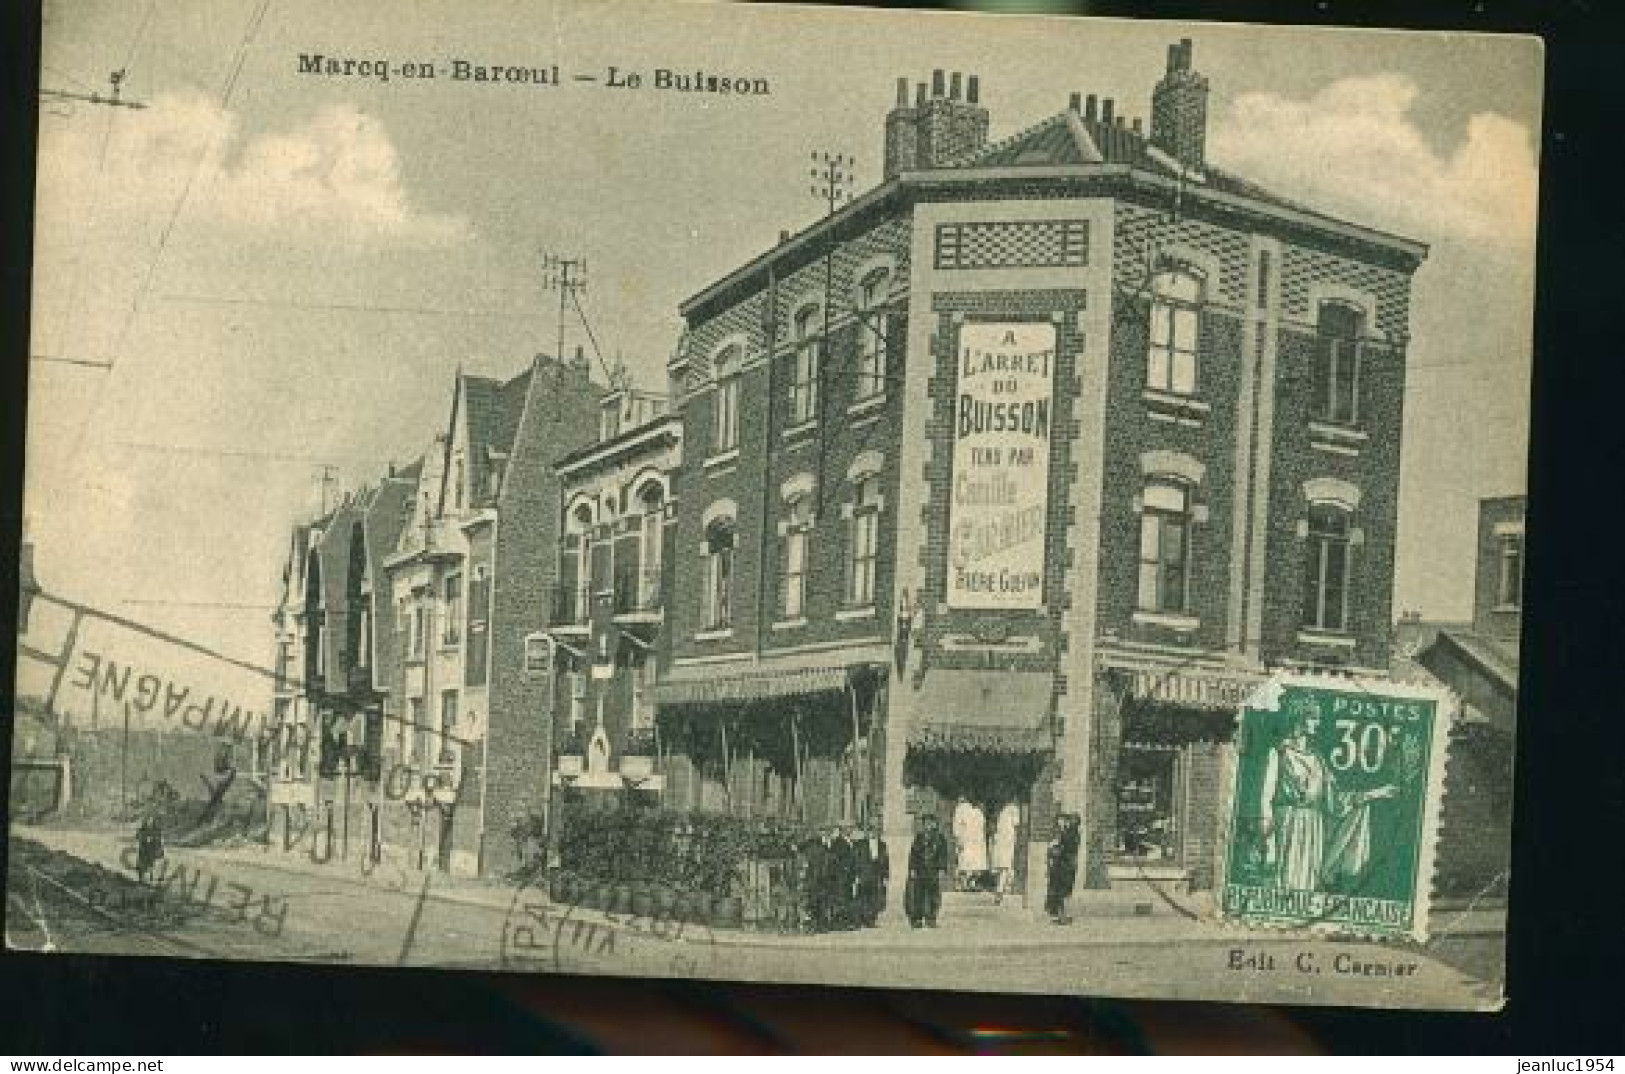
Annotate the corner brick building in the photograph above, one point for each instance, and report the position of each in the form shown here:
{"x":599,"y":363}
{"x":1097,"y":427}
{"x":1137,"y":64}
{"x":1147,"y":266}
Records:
{"x":1005,"y":482}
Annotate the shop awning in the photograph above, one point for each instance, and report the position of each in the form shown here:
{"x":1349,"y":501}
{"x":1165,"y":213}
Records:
{"x":752,"y":686}
{"x":987,"y":710}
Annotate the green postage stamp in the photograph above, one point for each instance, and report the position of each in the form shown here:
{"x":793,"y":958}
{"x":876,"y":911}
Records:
{"x":1335,"y":806}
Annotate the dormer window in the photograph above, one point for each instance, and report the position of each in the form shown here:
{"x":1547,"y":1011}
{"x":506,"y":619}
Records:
{"x":1176,"y":303}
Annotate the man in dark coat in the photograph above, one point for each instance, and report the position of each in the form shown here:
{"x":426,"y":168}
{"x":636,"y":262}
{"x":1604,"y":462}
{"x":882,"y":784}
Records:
{"x":927,"y":858}
{"x":816,"y":882}
{"x":874,"y":870}
{"x":843,"y":879}
{"x":1062,"y":858}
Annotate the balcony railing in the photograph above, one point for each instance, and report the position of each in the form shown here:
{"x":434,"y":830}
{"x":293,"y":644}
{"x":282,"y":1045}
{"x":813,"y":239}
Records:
{"x":637,"y":591}
{"x":571,"y":605}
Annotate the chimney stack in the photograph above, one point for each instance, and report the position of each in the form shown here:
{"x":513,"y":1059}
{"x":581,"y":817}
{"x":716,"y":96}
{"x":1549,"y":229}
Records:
{"x":936,"y":131}
{"x":1179,"y":109}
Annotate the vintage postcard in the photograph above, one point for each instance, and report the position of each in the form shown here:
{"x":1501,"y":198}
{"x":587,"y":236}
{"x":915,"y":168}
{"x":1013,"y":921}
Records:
{"x":777,"y":494}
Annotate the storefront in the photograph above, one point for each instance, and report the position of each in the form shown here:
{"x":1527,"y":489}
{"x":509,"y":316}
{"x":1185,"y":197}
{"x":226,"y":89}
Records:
{"x":801,"y":744}
{"x":1175,"y":731}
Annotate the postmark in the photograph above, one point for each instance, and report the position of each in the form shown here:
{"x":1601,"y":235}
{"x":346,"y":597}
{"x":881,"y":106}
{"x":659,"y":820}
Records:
{"x":656,"y":935}
{"x":1334,"y":807}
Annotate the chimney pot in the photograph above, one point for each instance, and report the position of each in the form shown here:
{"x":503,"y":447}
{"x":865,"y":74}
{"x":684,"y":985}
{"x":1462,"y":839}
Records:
{"x":784,"y":234}
{"x":953,"y":86}
{"x":973,"y":91}
{"x":919,"y":94}
{"x":1107,"y":107}
{"x":937,"y":83}
{"x":1173,"y":58}
{"x":1136,"y":124}
{"x":902,"y":93}
{"x":1075,"y":103}
{"x":1091,"y":108}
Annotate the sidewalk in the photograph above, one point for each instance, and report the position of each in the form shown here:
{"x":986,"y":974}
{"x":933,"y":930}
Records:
{"x":964,"y":924}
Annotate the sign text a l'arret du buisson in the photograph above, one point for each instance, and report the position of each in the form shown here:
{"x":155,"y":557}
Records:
{"x":1000,"y":496}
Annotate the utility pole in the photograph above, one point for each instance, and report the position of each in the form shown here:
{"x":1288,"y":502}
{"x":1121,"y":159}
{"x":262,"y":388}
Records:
{"x":567,"y":276}
{"x":112,"y":99}
{"x":832,"y":177}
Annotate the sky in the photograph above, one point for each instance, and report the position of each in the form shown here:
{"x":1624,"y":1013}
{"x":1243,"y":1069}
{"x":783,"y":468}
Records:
{"x":285,"y":269}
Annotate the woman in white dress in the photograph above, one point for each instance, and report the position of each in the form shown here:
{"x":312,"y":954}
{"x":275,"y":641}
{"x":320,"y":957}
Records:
{"x":1004,"y":848}
{"x":970,"y":840}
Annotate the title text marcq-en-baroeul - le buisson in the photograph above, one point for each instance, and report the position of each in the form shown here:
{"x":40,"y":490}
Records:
{"x":547,"y":75}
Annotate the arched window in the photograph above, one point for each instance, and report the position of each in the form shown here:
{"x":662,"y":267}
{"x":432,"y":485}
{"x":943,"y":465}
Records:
{"x":1165,"y":530}
{"x":809,"y":343}
{"x":574,"y":595}
{"x":793,"y":573}
{"x":1337,"y":368}
{"x":725,"y":408}
{"x":863,"y":547}
{"x":719,"y":573}
{"x":1176,"y":303}
{"x":873,"y":291}
{"x":651,"y":542}
{"x":1327,"y":563}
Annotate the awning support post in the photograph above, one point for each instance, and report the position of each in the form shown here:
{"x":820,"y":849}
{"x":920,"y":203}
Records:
{"x":795,"y":756}
{"x":727,"y":769}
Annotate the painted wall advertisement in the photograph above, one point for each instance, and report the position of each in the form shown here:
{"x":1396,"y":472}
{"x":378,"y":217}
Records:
{"x":1000,"y":497}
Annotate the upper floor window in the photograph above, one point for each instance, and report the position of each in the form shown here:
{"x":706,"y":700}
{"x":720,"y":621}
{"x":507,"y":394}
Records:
{"x":864,"y":547}
{"x":1326,"y":585}
{"x":420,"y":627}
{"x":448,"y":726}
{"x":651,"y":542}
{"x":1176,"y":303}
{"x":873,"y":291}
{"x":804,"y":381}
{"x":1165,"y":532}
{"x":363,"y":645}
{"x":793,"y":577}
{"x":1509,"y":578}
{"x":719,"y":574}
{"x":1337,"y":367}
{"x":725,"y":407}
{"x":451,"y":631}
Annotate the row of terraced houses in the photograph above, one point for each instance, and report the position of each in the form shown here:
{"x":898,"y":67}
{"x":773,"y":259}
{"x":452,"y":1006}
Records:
{"x":1005,"y":482}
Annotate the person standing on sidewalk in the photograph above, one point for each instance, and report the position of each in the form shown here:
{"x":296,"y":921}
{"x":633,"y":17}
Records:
{"x":1062,"y":859}
{"x":1004,"y":850}
{"x":874,"y":869}
{"x":927,"y":859}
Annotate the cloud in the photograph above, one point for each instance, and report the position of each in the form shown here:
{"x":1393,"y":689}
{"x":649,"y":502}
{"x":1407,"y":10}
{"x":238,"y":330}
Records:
{"x":1356,"y":146}
{"x":334,"y":177}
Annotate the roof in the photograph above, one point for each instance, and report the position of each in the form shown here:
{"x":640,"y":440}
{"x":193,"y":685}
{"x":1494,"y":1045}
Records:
{"x":492,"y":418}
{"x":1074,"y":138}
{"x":1064,"y":148}
{"x":1492,"y":656}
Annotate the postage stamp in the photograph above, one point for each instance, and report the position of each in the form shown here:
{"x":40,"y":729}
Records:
{"x":1334,"y":806}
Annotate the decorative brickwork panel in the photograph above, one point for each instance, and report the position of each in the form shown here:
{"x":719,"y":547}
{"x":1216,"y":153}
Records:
{"x":1142,"y":232}
{"x":1013,"y":244}
{"x":1307,"y":268}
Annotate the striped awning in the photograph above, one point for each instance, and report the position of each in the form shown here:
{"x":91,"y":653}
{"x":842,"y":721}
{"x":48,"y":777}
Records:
{"x":754,"y":686}
{"x":983,"y":710}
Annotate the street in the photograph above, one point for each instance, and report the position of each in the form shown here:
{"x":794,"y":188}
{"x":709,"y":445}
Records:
{"x":69,"y":893}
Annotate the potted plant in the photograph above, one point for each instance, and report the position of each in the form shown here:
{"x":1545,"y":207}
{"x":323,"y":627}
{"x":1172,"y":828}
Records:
{"x":638,"y":755}
{"x":573,"y":753}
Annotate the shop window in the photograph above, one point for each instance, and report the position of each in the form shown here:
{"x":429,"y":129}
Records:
{"x":1337,"y":367}
{"x":1148,"y":816}
{"x":578,"y":702}
{"x":1165,"y":528}
{"x":719,"y":574}
{"x":1176,"y":303}
{"x":871,"y":304}
{"x":793,"y":574}
{"x":1327,"y":564}
{"x":643,"y":708}
{"x":725,"y":406}
{"x":864,"y":544}
{"x":808,"y":352}
{"x":1509,"y":579}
